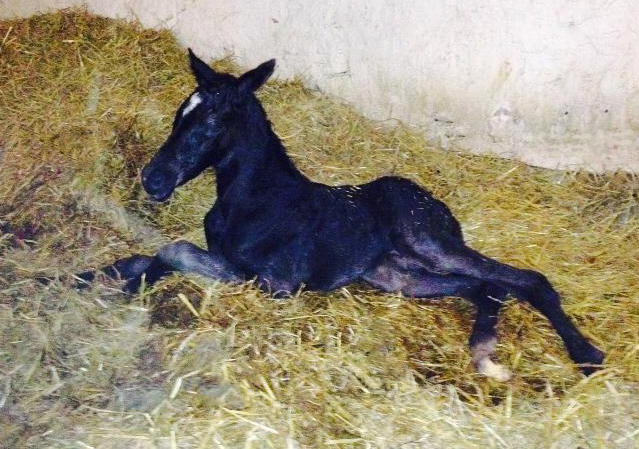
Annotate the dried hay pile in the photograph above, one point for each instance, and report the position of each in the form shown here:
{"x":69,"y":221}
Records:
{"x":84,"y":102}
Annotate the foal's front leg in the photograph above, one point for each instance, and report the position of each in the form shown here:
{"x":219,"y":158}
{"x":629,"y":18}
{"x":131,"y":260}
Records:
{"x":176,"y":256}
{"x":185,"y":257}
{"x":126,"y":268}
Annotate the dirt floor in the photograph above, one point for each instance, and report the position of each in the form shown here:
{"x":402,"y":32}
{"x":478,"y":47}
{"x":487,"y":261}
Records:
{"x":192,"y":363}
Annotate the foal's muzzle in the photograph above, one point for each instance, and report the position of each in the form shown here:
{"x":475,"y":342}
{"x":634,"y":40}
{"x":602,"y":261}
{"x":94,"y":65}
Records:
{"x":159,"y":183}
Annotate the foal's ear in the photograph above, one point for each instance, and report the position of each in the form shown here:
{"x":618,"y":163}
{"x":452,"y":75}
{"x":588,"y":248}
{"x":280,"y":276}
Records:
{"x":204,"y":75}
{"x":253,"y":79}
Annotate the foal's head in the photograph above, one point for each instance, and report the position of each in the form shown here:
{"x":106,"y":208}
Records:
{"x":203,"y":126}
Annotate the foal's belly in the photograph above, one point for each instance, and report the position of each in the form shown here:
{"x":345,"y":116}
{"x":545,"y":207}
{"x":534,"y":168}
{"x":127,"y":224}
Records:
{"x":324,"y":242}
{"x":315,"y":263}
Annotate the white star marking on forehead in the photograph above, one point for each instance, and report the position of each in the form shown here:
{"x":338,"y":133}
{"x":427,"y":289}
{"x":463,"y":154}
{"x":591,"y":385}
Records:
{"x":193,"y":102}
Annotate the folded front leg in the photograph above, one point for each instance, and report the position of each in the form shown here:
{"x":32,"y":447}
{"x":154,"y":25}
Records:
{"x":126,"y":268}
{"x":185,"y":257}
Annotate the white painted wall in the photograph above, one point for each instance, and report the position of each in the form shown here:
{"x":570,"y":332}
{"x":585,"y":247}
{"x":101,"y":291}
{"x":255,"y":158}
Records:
{"x":554,"y":83}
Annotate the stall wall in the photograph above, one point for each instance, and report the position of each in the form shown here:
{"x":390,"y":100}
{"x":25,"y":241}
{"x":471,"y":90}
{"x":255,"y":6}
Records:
{"x":552,"y":83}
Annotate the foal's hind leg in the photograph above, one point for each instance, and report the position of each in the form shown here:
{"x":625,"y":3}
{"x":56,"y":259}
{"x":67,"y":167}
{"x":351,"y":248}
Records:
{"x":415,"y":282}
{"x":483,"y":338}
{"x":528,"y":285}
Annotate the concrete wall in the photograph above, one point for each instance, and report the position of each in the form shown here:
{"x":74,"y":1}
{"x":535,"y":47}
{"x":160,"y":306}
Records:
{"x":553,"y":83}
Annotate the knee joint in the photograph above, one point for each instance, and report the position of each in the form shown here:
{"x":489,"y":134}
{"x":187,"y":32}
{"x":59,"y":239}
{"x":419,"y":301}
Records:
{"x":174,"y":251}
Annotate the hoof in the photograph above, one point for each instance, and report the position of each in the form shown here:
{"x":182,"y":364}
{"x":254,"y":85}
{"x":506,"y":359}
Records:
{"x":44,"y":280}
{"x":132,"y":286}
{"x":482,"y":351}
{"x":592,"y":362}
{"x":494,"y":370}
{"x":83,"y":280}
{"x":586,"y":356}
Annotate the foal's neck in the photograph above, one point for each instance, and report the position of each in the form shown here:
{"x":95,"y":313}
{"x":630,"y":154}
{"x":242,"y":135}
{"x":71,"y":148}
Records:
{"x":255,"y":159}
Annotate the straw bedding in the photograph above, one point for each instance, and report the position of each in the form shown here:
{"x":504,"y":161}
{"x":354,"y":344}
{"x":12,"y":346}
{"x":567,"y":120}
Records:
{"x":85,"y":101}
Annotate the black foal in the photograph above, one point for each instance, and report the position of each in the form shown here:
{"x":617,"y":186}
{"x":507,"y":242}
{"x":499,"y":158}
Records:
{"x":272,"y":224}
